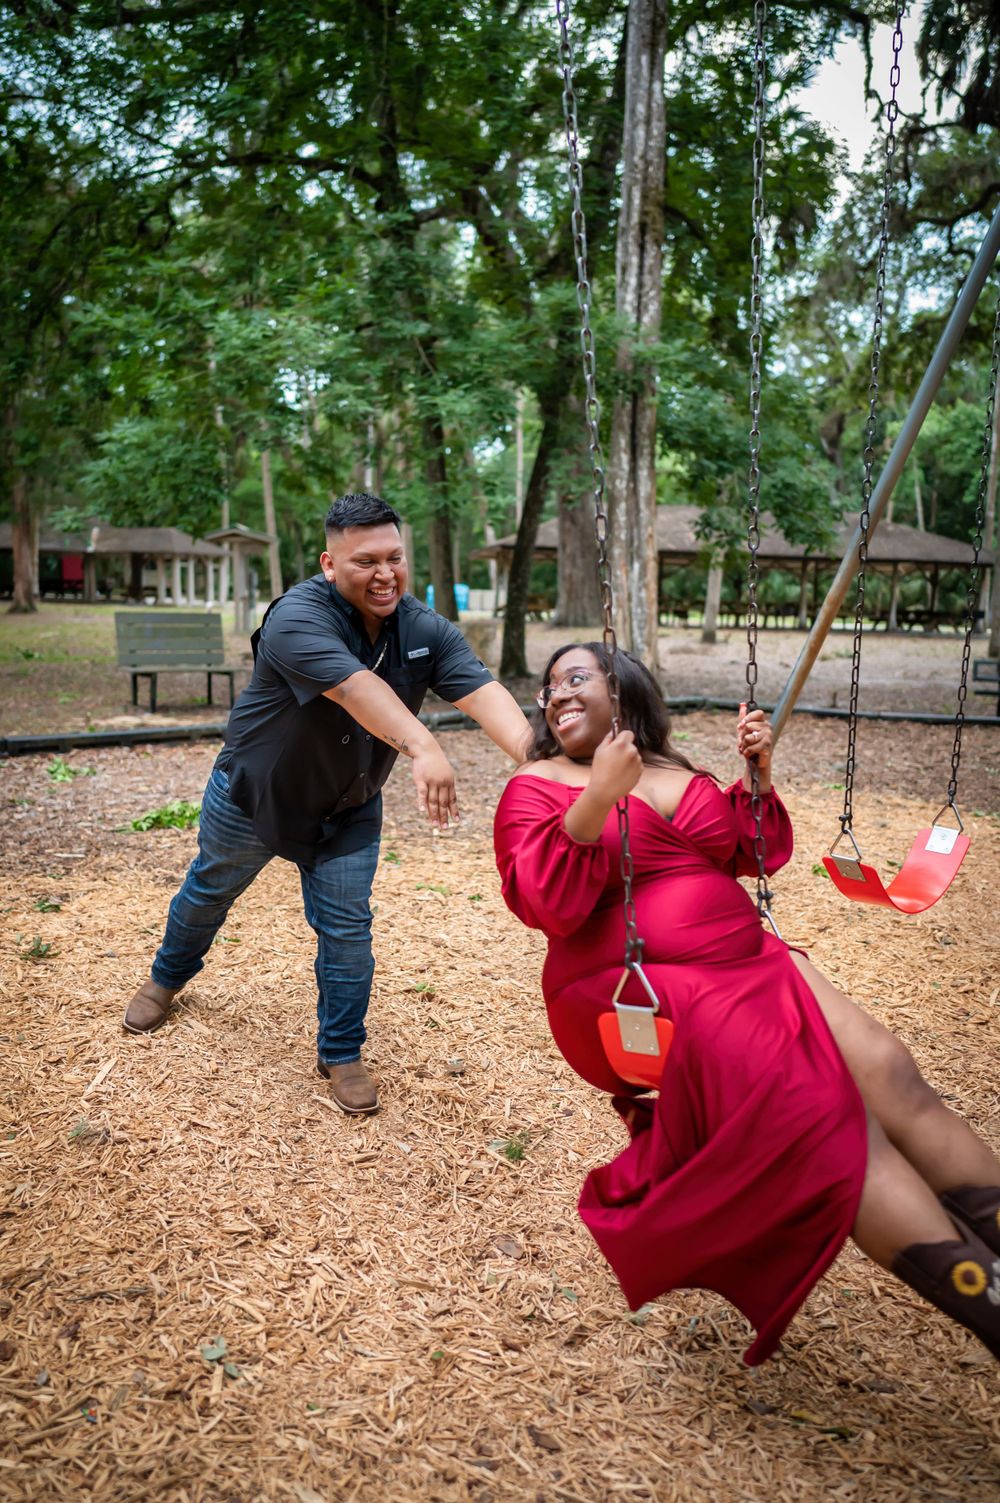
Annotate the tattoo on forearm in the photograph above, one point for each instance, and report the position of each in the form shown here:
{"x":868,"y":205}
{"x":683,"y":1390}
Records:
{"x":402,"y":746}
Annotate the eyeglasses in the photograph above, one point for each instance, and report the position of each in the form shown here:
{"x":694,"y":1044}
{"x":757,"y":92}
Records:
{"x":568,"y":684}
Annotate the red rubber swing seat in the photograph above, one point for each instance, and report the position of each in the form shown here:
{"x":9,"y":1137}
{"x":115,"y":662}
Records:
{"x":930,"y":868}
{"x":635,"y":1039}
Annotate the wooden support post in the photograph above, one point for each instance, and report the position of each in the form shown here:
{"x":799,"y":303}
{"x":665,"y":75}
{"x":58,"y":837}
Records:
{"x":713,"y":596}
{"x":894,"y":599}
{"x":803,"y":619}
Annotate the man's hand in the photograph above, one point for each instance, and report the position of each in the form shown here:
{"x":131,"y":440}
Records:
{"x":370,"y":701}
{"x":434,"y":777}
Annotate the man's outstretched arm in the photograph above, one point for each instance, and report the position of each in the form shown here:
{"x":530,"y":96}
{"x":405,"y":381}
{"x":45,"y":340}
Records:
{"x":496,"y":710}
{"x":369,"y":700}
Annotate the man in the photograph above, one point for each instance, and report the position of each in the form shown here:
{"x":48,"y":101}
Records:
{"x":342,"y":664}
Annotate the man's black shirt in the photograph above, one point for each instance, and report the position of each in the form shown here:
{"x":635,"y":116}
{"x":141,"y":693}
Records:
{"x":298,"y":765}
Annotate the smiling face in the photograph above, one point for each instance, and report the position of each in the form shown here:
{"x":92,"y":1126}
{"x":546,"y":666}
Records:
{"x":579,"y":711}
{"x":368,"y":566}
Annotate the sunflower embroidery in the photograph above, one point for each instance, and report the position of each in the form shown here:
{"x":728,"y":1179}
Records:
{"x":968,"y":1278}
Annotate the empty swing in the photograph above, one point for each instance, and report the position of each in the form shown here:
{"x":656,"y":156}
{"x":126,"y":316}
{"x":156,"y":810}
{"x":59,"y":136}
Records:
{"x":635,"y":1038}
{"x":938,"y":850}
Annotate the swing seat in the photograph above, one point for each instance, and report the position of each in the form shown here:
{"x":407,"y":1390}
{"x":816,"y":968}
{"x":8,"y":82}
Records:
{"x":926,"y":874}
{"x":635,"y":1039}
{"x":637,"y":1069}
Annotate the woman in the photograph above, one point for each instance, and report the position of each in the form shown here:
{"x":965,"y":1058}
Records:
{"x":787,"y":1119}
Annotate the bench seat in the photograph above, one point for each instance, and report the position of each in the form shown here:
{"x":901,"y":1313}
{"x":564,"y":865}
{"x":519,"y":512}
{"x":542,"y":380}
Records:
{"x":170,"y":641}
{"x":986,"y":672}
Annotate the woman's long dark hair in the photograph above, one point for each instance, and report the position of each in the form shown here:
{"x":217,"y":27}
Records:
{"x":644,"y":710}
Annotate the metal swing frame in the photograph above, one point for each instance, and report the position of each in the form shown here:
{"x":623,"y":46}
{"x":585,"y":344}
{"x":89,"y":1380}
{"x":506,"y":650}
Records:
{"x":636,"y":1039}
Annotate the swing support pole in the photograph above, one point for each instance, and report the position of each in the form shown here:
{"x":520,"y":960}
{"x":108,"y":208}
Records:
{"x":919,"y":407}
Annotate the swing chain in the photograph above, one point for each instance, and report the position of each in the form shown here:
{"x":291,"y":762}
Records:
{"x":592,"y":413}
{"x":864,"y":522}
{"x":753,"y":529}
{"x":972,"y":594}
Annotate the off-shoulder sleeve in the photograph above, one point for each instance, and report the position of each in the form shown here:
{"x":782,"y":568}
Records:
{"x":550,"y":881}
{"x":776,"y":827}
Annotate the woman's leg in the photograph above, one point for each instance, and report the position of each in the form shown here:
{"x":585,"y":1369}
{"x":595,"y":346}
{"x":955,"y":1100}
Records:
{"x":897,"y":1206}
{"x":902,"y":1226}
{"x":942,"y":1147}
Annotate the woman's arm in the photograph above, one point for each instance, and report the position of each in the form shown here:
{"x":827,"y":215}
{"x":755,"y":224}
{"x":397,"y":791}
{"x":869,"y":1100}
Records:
{"x":550,"y":881}
{"x":755,"y":743}
{"x":616,"y":768}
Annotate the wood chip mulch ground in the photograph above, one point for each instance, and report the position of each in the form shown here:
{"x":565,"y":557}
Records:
{"x":215,"y":1286}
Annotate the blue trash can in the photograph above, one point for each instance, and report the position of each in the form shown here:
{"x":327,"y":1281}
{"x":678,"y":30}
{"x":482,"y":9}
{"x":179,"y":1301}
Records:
{"x":461,"y":597}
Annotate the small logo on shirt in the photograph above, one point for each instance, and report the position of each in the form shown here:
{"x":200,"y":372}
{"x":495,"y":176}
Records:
{"x":418,"y":652}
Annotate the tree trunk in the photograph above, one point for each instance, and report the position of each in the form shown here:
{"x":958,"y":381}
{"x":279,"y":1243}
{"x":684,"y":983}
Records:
{"x":639,"y":271}
{"x":518,"y":456}
{"x":713,"y":597}
{"x":989,"y":520}
{"x":918,"y":497}
{"x":439,"y":522}
{"x":513,"y":659}
{"x":803,"y":616}
{"x":442,"y":572}
{"x":24,"y":542}
{"x":24,"y":526}
{"x":579,"y":597}
{"x":270,"y":525}
{"x":599,"y":183}
{"x":298,"y":548}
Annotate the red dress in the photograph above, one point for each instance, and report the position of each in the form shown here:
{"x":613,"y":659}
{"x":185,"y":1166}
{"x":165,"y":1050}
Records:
{"x":744,"y":1174}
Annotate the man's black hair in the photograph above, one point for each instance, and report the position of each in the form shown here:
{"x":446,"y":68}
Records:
{"x":360,"y":510}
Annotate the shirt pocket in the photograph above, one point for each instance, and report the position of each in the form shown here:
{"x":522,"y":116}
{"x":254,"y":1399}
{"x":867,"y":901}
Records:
{"x":411,"y":681}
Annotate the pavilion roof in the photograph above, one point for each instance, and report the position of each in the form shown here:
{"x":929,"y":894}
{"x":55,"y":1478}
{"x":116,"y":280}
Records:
{"x":678,"y":542}
{"x":165,"y":542}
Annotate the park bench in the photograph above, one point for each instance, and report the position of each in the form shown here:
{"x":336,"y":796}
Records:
{"x":168,"y":641}
{"x":986,"y":671}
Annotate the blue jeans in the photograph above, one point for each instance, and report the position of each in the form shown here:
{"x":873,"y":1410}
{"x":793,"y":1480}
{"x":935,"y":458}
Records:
{"x":336,"y":897}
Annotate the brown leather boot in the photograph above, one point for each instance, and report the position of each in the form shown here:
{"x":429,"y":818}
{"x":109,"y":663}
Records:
{"x":960,"y":1278}
{"x":977,"y":1208}
{"x":149,"y":1008}
{"x":351,"y":1087}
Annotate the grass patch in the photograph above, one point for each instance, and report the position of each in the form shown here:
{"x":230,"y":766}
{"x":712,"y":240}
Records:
{"x":39,"y":949}
{"x":179,"y":814}
{"x":513,"y":1148}
{"x":61,"y":771}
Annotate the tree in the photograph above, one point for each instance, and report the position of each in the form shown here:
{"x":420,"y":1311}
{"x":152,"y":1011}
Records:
{"x":638,"y":301}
